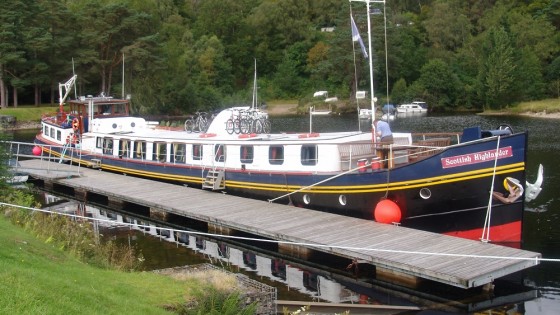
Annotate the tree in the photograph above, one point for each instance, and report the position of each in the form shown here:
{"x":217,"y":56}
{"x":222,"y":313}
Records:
{"x":498,"y":69}
{"x":553,"y":76}
{"x":109,"y":28}
{"x":14,"y":17}
{"x":447,"y":26}
{"x":398,"y":92}
{"x":439,"y":83}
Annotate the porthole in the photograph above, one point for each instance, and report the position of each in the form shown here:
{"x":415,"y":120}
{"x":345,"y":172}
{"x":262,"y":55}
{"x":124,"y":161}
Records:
{"x":425,"y":193}
{"x":114,"y":126}
{"x":132,"y":124}
{"x":342,"y":200}
{"x":306,"y":199}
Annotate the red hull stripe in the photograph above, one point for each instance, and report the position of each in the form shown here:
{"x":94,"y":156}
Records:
{"x":510,"y":232}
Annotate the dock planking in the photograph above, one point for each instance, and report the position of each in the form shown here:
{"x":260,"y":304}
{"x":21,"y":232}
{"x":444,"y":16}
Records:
{"x":454,"y":261}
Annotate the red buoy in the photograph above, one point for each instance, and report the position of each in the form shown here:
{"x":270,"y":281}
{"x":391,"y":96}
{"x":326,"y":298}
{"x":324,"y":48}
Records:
{"x":37,"y":151}
{"x":387,"y":211}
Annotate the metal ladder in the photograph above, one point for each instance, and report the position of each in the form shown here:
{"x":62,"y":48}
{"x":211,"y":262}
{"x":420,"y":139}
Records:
{"x":64,"y":149}
{"x":214,"y":180}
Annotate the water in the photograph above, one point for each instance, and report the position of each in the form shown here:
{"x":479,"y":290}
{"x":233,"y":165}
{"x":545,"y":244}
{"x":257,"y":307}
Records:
{"x":541,"y":221}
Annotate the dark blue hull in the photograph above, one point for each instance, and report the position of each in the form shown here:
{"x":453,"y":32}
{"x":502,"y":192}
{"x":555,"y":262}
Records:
{"x":446,"y":193}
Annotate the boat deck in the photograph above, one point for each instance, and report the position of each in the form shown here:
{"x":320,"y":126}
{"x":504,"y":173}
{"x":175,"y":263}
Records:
{"x":445,"y":259}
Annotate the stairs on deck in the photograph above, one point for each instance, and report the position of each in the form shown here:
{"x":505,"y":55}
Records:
{"x":214,"y":180}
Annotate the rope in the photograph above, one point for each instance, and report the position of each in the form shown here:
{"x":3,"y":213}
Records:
{"x":536,"y":259}
{"x":486,"y":228}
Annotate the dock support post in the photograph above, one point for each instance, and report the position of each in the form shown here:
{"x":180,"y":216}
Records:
{"x":219,"y":229}
{"x":295,"y":251}
{"x":80,"y":194}
{"x":400,"y":278}
{"x":115,"y":203}
{"x":48,"y":185}
{"x":159,"y":214}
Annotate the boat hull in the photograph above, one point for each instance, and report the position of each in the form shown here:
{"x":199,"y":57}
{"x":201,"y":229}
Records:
{"x":446,"y":193}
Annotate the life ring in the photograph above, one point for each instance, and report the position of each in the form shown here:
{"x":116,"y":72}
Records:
{"x":75,"y":124}
{"x":308,"y":135}
{"x":207,"y":135}
{"x":247,"y":135}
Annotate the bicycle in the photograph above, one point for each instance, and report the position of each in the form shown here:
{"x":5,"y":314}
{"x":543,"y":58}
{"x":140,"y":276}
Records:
{"x":198,"y":123}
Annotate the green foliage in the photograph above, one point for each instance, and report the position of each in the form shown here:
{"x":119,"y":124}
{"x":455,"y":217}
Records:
{"x":183,"y":56}
{"x":498,"y":70}
{"x":439,"y":84}
{"x":216,"y":302}
{"x":75,"y":237}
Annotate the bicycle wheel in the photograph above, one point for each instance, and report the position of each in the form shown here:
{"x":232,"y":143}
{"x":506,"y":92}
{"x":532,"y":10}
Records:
{"x":267,"y":126}
{"x":189,"y":125}
{"x":229,"y":126}
{"x":202,"y":122}
{"x":257,"y":126}
{"x":245,"y":126}
{"x":237,"y":126}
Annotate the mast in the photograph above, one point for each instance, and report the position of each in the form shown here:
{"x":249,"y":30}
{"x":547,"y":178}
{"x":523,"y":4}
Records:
{"x":373,"y":99}
{"x":122,"y":77}
{"x":254,"y":102}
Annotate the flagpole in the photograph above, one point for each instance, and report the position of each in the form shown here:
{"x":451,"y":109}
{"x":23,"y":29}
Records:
{"x":370,"y":55}
{"x":370,"y":62}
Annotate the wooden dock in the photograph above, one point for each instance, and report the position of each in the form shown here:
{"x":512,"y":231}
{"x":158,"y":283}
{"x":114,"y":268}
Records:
{"x":391,"y":249}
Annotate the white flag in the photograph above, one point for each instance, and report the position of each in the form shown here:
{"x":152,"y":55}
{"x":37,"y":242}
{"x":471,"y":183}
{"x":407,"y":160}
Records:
{"x":356,"y":37}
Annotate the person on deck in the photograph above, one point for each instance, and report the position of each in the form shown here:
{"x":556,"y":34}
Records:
{"x":384,"y":138}
{"x":383,"y":131}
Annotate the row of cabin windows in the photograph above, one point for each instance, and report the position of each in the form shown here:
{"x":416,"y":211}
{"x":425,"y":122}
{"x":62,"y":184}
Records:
{"x":178,"y":152}
{"x":52,"y":132}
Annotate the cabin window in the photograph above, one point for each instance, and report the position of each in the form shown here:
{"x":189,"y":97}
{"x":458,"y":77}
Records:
{"x":58,"y":135}
{"x":197,"y":152}
{"x":219,"y":153}
{"x":52,"y":133}
{"x":46,"y":132}
{"x":159,"y":152}
{"x":246,"y":153}
{"x":309,"y":155}
{"x":99,"y":142}
{"x":178,"y":153}
{"x":119,"y":109}
{"x":108,"y":146}
{"x":124,"y":148}
{"x":276,"y":154}
{"x":139,"y":150}
{"x":106,"y":109}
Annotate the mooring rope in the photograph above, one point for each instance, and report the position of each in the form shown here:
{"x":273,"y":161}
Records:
{"x":131,"y":225}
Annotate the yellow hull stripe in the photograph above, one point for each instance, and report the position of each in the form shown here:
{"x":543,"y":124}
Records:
{"x":425,"y":182}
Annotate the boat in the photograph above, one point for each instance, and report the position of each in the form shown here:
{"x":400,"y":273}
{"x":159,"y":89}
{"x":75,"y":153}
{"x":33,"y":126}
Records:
{"x":388,"y":117}
{"x":438,"y":182}
{"x":411,"y":108}
{"x":365,"y":113}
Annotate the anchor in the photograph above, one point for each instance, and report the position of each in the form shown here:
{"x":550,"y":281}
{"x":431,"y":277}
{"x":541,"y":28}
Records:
{"x":533,"y":190}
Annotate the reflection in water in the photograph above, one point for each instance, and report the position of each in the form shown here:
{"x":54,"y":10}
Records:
{"x":163,"y":247}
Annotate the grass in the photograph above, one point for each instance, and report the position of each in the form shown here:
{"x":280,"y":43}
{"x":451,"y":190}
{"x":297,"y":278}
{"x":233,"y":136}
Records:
{"x":28,"y":113}
{"x":549,"y":105}
{"x":38,"y":278}
{"x":41,"y":275}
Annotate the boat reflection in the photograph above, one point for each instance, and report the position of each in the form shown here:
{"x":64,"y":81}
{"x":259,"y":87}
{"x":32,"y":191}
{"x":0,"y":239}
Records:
{"x":309,"y":281}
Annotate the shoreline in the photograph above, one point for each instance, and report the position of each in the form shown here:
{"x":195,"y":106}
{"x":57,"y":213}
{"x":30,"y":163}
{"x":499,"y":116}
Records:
{"x":290,"y":109}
